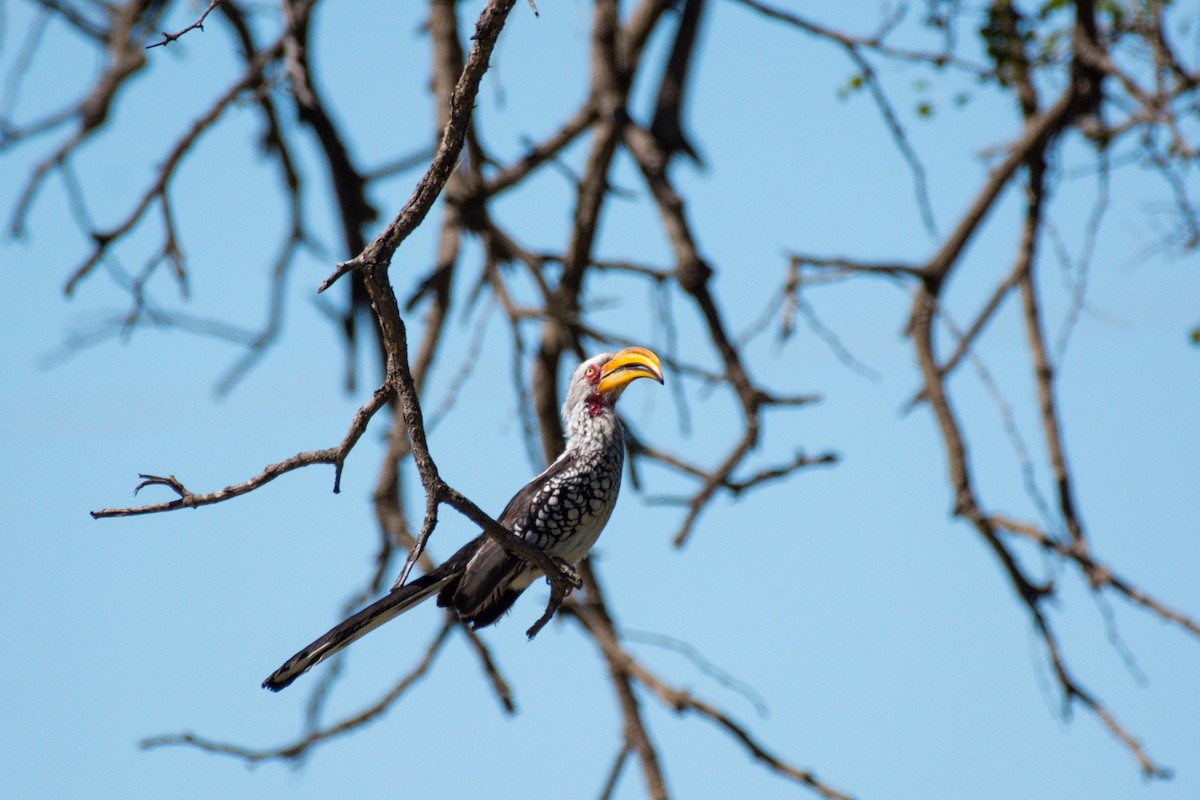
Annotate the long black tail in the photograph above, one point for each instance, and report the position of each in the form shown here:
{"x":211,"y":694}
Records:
{"x":389,"y":607}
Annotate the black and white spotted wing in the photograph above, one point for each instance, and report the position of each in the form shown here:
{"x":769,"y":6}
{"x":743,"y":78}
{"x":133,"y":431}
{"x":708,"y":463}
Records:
{"x":561,"y":511}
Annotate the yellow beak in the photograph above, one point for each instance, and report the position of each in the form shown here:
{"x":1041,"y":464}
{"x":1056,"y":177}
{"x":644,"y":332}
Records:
{"x":629,"y":365}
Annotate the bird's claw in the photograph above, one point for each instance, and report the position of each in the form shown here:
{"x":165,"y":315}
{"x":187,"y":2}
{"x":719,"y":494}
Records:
{"x":567,"y":571}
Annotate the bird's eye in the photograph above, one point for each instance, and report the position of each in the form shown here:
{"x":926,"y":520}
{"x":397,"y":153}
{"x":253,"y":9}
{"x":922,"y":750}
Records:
{"x":591,"y":373}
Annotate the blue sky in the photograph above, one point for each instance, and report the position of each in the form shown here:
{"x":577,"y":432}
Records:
{"x":881,"y":635}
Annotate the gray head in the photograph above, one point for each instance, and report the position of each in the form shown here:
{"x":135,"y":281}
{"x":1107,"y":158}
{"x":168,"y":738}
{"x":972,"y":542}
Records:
{"x":598,"y":382}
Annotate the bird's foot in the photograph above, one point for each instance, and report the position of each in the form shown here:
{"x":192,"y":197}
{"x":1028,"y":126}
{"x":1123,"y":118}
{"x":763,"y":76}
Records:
{"x":568,"y":572}
{"x":557,"y":594}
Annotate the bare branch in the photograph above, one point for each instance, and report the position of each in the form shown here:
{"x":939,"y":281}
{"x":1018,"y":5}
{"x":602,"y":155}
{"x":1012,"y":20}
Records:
{"x":197,"y":25}
{"x":330,"y":455}
{"x":1099,"y":575}
{"x":462,"y":106}
{"x":104,"y":239}
{"x":624,"y":669}
{"x":299,"y":748}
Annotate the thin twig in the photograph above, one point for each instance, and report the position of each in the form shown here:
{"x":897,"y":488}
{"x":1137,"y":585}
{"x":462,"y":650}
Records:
{"x":197,"y":25}
{"x":302,"y":746}
{"x":331,"y":455}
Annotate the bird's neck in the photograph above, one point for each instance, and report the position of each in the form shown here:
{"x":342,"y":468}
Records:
{"x":593,"y":426}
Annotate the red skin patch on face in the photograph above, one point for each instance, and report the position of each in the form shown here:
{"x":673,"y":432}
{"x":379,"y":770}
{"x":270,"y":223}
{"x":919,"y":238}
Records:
{"x":595,"y":405}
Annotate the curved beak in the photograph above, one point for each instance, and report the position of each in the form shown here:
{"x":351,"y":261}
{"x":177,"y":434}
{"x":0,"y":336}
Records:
{"x":629,"y":365}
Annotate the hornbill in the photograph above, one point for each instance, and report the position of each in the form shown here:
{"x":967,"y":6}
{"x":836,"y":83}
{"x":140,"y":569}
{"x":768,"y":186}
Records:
{"x":561,"y":511}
